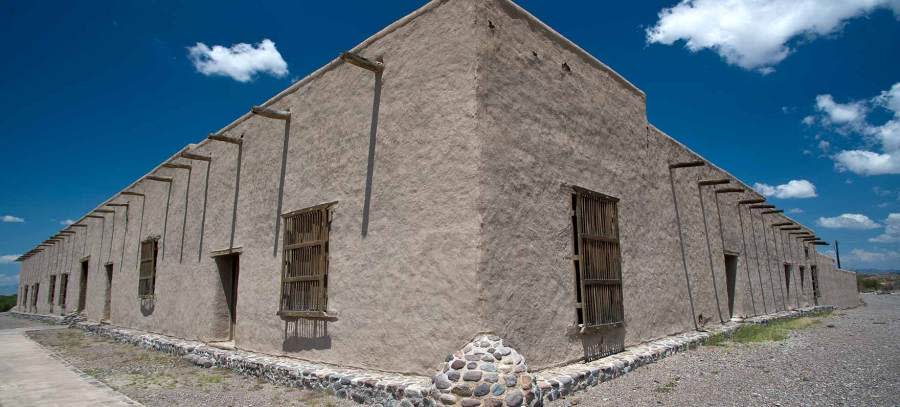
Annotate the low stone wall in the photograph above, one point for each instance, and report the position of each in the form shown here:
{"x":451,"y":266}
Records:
{"x":484,"y":373}
{"x":558,"y":382}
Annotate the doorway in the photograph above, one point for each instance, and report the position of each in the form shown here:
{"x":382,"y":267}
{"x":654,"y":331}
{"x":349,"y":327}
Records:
{"x":107,"y":304}
{"x":787,"y":278}
{"x":82,"y":287}
{"x":814,"y":275}
{"x":731,"y":262}
{"x":229,"y":274}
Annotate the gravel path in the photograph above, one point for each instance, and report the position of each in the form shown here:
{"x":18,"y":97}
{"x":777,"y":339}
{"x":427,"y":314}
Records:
{"x":160,"y":379}
{"x":852,"y":358}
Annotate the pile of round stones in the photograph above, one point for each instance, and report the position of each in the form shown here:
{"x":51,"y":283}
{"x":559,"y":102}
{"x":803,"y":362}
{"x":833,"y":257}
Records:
{"x":485,"y":373}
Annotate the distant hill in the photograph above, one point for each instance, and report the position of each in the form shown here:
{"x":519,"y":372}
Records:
{"x":877,"y":271}
{"x":7,"y":302}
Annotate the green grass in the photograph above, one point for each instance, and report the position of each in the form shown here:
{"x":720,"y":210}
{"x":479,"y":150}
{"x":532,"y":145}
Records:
{"x":7,"y":302}
{"x":668,"y":387}
{"x":773,"y":331}
{"x":716,"y":340}
{"x":210,"y":378}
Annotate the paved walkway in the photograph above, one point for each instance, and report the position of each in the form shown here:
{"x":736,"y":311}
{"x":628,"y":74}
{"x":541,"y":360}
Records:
{"x":31,"y":377}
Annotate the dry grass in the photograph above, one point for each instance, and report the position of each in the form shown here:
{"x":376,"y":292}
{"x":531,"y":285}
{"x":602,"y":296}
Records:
{"x":161,"y":379}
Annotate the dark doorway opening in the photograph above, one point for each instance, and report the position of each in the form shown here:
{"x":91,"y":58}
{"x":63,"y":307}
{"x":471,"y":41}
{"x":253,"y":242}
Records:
{"x":731,"y":262}
{"x":82,"y":286}
{"x":107,"y":305}
{"x":229,"y":274}
{"x":787,"y":278}
{"x":814,"y":274}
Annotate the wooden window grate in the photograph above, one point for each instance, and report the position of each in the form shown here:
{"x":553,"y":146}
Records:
{"x":598,"y":259}
{"x":304,"y":272}
{"x":52,"y":291}
{"x":63,"y":286}
{"x":147,"y":272}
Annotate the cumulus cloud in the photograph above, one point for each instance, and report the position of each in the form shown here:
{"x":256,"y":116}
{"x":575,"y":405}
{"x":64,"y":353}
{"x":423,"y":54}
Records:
{"x":891,"y":230}
{"x":798,"y":188}
{"x":9,"y":258}
{"x":796,"y":210}
{"x":878,"y":149}
{"x":840,"y":113}
{"x":241,"y":62}
{"x":848,"y":221}
{"x":11,"y":219}
{"x":67,"y":222}
{"x":755,"y":34}
{"x":874,"y":257}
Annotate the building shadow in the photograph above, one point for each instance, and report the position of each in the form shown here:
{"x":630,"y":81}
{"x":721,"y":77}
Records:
{"x":602,"y":343}
{"x":305,"y":334}
{"x":148,"y":305}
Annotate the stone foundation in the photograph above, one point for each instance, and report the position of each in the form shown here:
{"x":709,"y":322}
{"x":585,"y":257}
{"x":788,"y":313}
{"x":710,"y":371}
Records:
{"x":484,"y":373}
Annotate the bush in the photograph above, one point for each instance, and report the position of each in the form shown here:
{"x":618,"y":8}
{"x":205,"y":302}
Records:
{"x":7,"y":302}
{"x":867,"y":285}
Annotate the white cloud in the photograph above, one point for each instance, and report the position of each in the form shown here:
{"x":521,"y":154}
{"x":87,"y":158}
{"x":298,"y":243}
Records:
{"x":852,"y":118}
{"x":9,"y":258}
{"x":241,"y":61}
{"x":891,"y":230}
{"x":9,"y":279}
{"x":11,"y":219}
{"x":840,"y":113}
{"x":809,"y":120}
{"x":848,"y":221}
{"x":67,"y":222}
{"x":863,"y":162}
{"x":796,"y":210}
{"x":879,"y":191}
{"x":872,"y":257}
{"x":890,"y":99}
{"x":798,"y":188}
{"x":824,"y":146}
{"x":755,"y":34}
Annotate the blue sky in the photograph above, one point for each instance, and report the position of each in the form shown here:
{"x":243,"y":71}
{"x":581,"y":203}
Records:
{"x":94,"y":95}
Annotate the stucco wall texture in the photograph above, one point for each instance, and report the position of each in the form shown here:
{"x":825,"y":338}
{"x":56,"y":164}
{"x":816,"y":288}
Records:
{"x":486,"y":119}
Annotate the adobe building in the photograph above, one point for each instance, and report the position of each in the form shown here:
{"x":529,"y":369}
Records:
{"x":467,"y":170}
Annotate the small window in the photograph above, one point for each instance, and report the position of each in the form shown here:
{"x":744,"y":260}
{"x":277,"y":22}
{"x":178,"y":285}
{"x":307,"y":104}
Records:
{"x":63,"y":287}
{"x":806,"y":252}
{"x":147,"y":277}
{"x":598,"y":260}
{"x":52,"y":290}
{"x":25,"y":296}
{"x":34,"y":294}
{"x":304,"y":273}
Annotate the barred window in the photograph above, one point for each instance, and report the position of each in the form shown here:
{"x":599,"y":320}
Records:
{"x":147,"y":277}
{"x":34,"y":294}
{"x":598,"y":261}
{"x":52,"y":290}
{"x":304,"y":273}
{"x":63,"y":286}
